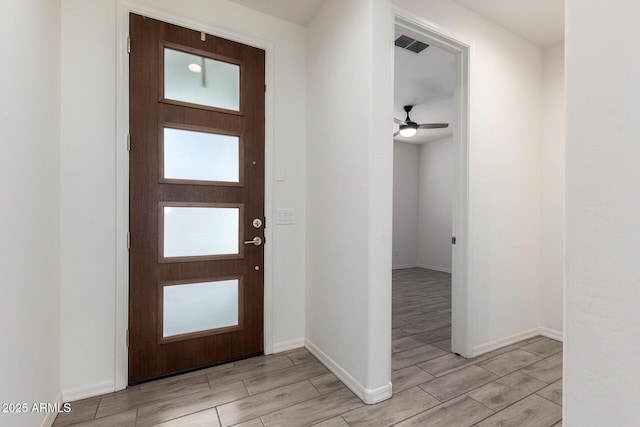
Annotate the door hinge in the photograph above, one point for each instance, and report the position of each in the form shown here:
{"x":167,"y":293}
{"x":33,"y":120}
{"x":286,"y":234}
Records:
{"x":453,"y":240}
{"x":128,"y":240}
{"x":127,"y":338}
{"x":128,"y":44}
{"x":128,"y":142}
{"x":265,"y":88}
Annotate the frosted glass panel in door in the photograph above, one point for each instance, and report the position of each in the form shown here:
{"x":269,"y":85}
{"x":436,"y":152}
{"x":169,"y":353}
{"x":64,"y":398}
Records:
{"x":195,"y":307}
{"x":200,"y":231}
{"x":201,"y":156}
{"x":200,"y":80}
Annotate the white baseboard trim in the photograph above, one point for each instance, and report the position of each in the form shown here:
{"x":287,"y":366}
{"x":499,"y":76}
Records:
{"x":279,"y":347}
{"x":368,"y":396}
{"x":403,"y":267}
{"x":89,"y":390}
{"x":433,"y":267}
{"x":51,"y":416}
{"x":552,"y":333}
{"x":503,"y":342}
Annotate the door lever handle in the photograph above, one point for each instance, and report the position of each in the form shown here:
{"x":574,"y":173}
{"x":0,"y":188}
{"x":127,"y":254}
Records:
{"x":257,"y":241}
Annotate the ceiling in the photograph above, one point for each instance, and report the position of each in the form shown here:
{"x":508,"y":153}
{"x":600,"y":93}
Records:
{"x":538,"y":21}
{"x":425,"y":80}
{"x":299,"y":12}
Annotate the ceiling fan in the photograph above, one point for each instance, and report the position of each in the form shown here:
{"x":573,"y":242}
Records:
{"x":409,"y":128}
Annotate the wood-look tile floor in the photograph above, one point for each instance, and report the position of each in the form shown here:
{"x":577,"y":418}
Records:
{"x":519,"y":385}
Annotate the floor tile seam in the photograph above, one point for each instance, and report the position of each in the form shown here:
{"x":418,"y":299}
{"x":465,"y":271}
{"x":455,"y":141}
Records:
{"x":540,"y":358}
{"x":279,"y":370}
{"x":218,"y":415}
{"x":441,"y":404}
{"x":289,"y":406}
{"x":245,"y":389}
{"x":95,"y":413}
{"x":509,"y":373}
{"x":256,"y":375}
{"x":546,"y":384}
{"x":408,"y":416}
{"x":414,"y":364}
{"x":168,"y":399}
{"x":528,"y":395}
{"x":477,"y":423}
{"x":451,"y":371}
{"x":484,"y":406}
{"x":304,"y":401}
{"x":548,"y":400}
{"x":550,"y":356}
{"x":463,"y":393}
{"x":547,"y":356}
{"x":181,"y":416}
{"x":313,"y":385}
{"x":516,"y":402}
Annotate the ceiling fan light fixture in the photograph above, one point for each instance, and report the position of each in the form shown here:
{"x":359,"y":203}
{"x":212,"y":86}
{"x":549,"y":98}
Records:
{"x":195,"y":68}
{"x":408,"y":130}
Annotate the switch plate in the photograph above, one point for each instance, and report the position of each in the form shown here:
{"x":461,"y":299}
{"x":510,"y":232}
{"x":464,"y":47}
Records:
{"x":285,"y":217}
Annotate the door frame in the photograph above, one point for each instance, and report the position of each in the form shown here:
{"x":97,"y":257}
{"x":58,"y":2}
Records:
{"x":460,"y":301}
{"x":124,"y":8}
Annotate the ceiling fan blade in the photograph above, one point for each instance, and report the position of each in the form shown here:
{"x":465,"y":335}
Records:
{"x":398,"y":121}
{"x":433,"y":125}
{"x":396,"y":134}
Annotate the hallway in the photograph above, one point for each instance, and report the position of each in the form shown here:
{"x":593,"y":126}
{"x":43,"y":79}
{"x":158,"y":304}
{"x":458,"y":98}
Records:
{"x":519,"y":385}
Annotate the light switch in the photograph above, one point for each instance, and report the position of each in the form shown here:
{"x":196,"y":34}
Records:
{"x":285,"y":217}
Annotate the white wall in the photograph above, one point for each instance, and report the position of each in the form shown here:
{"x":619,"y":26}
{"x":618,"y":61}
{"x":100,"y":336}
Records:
{"x":88,"y":197}
{"x":89,"y":180}
{"x":29,"y":218}
{"x":435,"y":204}
{"x":553,"y":170}
{"x":504,"y":173}
{"x":602,"y":318}
{"x":406,"y":161}
{"x":349,"y":192}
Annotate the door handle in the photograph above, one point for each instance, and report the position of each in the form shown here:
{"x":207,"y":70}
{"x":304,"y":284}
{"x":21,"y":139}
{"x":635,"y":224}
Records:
{"x":257,"y":241}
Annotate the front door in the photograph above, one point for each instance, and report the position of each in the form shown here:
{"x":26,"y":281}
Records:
{"x":196,"y":199}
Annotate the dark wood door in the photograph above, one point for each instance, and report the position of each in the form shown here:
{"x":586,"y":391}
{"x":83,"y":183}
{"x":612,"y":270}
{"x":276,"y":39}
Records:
{"x":196,"y":200}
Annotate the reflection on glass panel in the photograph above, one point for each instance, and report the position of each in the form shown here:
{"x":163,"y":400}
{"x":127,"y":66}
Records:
{"x":200,"y":231}
{"x":199,"y":80}
{"x":201,"y":156}
{"x":198,"y":307}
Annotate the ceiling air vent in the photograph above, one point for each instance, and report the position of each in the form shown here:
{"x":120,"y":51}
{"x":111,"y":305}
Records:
{"x":412,"y":45}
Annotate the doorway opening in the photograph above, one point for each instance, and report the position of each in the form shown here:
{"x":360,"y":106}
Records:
{"x":430,"y":243}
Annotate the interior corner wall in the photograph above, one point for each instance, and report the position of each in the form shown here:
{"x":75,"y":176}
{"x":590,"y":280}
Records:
{"x":504,"y":234}
{"x":29,"y":218}
{"x":435,"y":205}
{"x":602,"y":220}
{"x":553,"y":185}
{"x":349,"y":188}
{"x":406,"y":163}
{"x":88,"y":254}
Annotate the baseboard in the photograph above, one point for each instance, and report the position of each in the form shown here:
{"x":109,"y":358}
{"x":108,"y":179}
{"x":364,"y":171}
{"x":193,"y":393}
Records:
{"x":368,"y":396}
{"x":403,"y":267}
{"x":90,"y":390}
{"x":288,"y":345}
{"x":433,"y":267}
{"x":503,"y":342}
{"x":51,"y":416}
{"x":552,"y":333}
